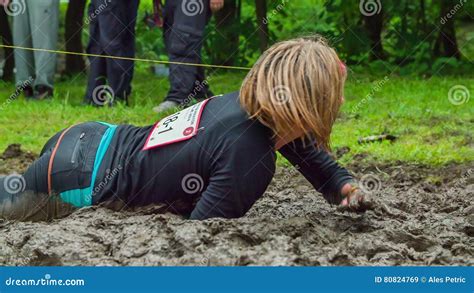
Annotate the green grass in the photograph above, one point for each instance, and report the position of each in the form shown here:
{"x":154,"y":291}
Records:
{"x":431,"y":130}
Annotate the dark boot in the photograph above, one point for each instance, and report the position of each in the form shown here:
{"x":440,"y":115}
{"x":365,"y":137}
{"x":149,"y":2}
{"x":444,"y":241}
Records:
{"x":27,"y":92}
{"x":43,"y":92}
{"x":32,"y":206}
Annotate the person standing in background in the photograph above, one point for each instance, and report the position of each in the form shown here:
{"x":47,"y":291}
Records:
{"x":35,"y":25}
{"x":183,"y":30}
{"x":112,"y":33}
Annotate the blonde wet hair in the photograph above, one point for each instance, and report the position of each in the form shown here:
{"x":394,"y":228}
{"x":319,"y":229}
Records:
{"x":296,"y":86}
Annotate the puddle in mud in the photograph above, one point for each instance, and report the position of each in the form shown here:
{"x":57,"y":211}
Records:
{"x":421,"y":216}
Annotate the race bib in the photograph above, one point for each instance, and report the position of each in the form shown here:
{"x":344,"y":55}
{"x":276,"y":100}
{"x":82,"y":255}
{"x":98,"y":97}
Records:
{"x":180,"y":126}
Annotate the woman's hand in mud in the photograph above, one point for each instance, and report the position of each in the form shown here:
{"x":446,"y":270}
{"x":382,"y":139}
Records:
{"x":216,"y":5}
{"x":355,"y":200}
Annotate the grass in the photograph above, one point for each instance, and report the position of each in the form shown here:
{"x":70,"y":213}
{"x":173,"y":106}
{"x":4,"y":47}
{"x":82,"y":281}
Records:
{"x":430,"y":129}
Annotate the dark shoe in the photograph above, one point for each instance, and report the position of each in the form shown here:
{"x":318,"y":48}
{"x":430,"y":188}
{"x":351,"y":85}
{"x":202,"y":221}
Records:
{"x":43,"y":92}
{"x":105,"y":98}
{"x":111,"y":103}
{"x":32,"y":206}
{"x":27,"y":91}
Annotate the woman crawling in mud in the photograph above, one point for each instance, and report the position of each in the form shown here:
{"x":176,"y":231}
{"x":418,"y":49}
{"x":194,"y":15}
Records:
{"x":213,"y":159}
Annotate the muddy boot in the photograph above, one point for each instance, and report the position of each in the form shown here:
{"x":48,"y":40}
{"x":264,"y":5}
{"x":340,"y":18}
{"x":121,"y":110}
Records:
{"x":30,"y":206}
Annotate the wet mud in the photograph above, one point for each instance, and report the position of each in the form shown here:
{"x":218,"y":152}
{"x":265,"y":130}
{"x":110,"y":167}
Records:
{"x":420,"y":216}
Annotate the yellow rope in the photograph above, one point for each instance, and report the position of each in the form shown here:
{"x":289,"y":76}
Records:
{"x":126,"y":58}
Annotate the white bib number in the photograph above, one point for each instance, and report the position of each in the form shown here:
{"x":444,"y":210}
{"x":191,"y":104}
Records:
{"x":180,"y":126}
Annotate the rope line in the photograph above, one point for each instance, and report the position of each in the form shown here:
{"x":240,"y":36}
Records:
{"x":126,"y":58}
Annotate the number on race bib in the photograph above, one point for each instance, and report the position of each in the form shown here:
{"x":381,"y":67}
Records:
{"x":177,"y":127}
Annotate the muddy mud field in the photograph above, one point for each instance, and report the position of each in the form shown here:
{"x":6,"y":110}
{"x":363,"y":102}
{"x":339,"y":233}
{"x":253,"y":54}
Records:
{"x":420,"y":216}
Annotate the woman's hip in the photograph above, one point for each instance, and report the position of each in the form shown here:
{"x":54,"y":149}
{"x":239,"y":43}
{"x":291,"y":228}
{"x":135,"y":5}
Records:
{"x":73,"y":157}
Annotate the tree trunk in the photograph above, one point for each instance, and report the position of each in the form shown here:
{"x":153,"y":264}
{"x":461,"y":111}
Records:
{"x":226,"y":44}
{"x":73,"y":35}
{"x":423,"y":16}
{"x":262,"y":23}
{"x":446,"y":44}
{"x":374,"y":26}
{"x":7,"y":39}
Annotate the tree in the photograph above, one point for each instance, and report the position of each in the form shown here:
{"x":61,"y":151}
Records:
{"x":374,"y":26}
{"x":6,"y":35}
{"x":227,"y":39}
{"x":73,"y":35}
{"x":422,"y":17}
{"x":446,"y":45}
{"x":262,"y":23}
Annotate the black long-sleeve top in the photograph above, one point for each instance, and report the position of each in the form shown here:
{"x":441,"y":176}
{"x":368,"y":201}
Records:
{"x":220,"y":172}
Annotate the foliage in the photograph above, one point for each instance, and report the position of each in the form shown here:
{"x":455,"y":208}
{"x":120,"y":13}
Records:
{"x":408,"y":37}
{"x":431,"y":130}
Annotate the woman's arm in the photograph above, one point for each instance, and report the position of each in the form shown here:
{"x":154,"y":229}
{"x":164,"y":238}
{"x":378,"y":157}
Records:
{"x":319,"y":169}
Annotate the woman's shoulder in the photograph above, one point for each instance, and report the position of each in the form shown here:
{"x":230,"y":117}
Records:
{"x":226,"y":114}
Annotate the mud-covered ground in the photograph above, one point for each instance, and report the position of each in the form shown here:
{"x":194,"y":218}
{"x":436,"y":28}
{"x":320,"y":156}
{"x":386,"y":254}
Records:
{"x":420,"y":216}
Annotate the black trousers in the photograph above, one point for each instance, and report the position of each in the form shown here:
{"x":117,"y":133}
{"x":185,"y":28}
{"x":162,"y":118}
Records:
{"x":26,"y":197}
{"x":184,"y":25}
{"x":112,"y":32}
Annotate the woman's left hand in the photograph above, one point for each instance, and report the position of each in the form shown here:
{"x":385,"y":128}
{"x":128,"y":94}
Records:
{"x":355,"y":199}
